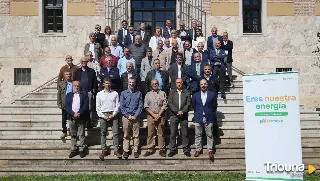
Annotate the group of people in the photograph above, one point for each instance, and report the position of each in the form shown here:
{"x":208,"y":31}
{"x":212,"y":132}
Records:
{"x":162,"y":76}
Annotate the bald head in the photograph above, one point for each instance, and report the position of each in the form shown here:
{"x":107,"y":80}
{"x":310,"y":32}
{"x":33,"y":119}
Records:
{"x":129,"y":66}
{"x":214,"y":31}
{"x":75,"y":86}
{"x":137,"y":39}
{"x":197,"y":57}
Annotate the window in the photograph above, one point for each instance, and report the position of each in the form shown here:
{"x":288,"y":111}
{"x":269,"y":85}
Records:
{"x":53,"y":16}
{"x":283,"y":69}
{"x":22,"y":76}
{"x":251,"y":16}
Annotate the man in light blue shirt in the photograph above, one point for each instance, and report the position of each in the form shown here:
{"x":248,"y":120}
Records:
{"x":123,"y":61}
{"x":116,"y":50}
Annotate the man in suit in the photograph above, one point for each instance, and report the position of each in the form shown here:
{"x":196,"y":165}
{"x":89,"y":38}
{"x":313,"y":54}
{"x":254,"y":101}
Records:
{"x":179,"y":102}
{"x":188,"y":53}
{"x":227,"y":46}
{"x":217,"y":56}
{"x":195,"y":72}
{"x":64,"y":88}
{"x":128,"y":74}
{"x":213,"y":83}
{"x":192,"y":30}
{"x":167,"y":30}
{"x":129,"y":38}
{"x":204,"y":54}
{"x":112,"y":73}
{"x":204,"y":104}
{"x":88,"y":83}
{"x":122,"y":33}
{"x":178,"y":71}
{"x":145,"y":35}
{"x":77,"y":104}
{"x":160,"y":75}
{"x":183,"y":33}
{"x":213,"y":38}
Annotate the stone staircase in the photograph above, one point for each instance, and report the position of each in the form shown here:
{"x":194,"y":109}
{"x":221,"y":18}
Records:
{"x":30,"y":128}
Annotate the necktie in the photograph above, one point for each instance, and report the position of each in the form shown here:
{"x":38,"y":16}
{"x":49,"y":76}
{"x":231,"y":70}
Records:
{"x":124,"y":33}
{"x":198,"y":69}
{"x":142,"y":34}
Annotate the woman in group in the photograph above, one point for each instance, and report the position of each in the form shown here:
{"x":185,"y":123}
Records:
{"x":174,"y":37}
{"x":107,"y":33}
{"x":198,"y":37}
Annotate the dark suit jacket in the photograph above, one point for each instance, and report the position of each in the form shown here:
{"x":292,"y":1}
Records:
{"x":184,"y":38}
{"x":210,"y":45}
{"x":92,"y":79}
{"x":128,"y":41}
{"x":146,"y":38}
{"x":229,"y":47}
{"x":84,"y":105}
{"x":195,"y":79}
{"x":124,"y":80}
{"x":173,"y":74}
{"x":213,"y":83}
{"x":120,"y":37}
{"x":114,"y":75}
{"x":165,"y":79}
{"x":209,"y":109}
{"x":165,"y":32}
{"x":173,"y":102}
{"x":205,"y":57}
{"x":218,"y":58}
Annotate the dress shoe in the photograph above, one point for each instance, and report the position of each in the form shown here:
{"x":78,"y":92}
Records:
{"x":171,"y":154}
{"x":211,"y":155}
{"x":196,"y":154}
{"x":188,"y":154}
{"x":82,"y":154}
{"x":72,"y":154}
{"x":63,"y":135}
{"x":162,"y":153}
{"x":117,"y":154}
{"x":147,"y":153}
{"x":223,"y":96}
{"x":125,"y":155}
{"x":136,"y":155}
{"x":102,"y":155}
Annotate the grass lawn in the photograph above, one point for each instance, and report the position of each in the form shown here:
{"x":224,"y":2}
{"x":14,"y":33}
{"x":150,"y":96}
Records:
{"x":146,"y":177}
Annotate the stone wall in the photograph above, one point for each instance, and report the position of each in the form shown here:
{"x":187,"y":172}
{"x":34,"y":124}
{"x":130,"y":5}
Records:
{"x":290,"y":42}
{"x":22,"y":47}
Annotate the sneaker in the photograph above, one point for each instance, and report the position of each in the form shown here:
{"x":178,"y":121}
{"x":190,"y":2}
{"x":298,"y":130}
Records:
{"x":82,"y":154}
{"x":211,"y":155}
{"x":72,"y":154}
{"x":63,"y":135}
{"x":196,"y":154}
{"x":102,"y":155}
{"x":125,"y":155}
{"x":136,"y":155}
{"x":117,"y":154}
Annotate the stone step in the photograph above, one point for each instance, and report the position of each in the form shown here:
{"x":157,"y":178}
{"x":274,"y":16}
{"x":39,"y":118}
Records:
{"x":125,"y":168}
{"x":94,"y":139}
{"x":53,"y":101}
{"x":57,"y":123}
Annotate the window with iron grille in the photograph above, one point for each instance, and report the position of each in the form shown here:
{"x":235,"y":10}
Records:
{"x":22,"y":76}
{"x":251,"y":16}
{"x":283,"y":69}
{"x":53,"y":16}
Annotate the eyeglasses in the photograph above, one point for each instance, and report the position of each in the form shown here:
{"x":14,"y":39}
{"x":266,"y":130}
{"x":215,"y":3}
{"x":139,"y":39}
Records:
{"x":155,"y":83}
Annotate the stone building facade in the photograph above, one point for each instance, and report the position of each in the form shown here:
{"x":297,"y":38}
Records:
{"x":288,"y":36}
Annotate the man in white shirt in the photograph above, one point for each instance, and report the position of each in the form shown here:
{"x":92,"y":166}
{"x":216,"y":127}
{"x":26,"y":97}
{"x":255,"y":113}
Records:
{"x":107,"y":106}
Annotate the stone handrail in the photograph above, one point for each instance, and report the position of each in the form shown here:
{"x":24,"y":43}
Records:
{"x":237,"y":70}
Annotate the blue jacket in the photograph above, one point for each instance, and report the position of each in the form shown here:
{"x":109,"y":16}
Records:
{"x":128,"y":41}
{"x":165,"y":32}
{"x":218,"y":60}
{"x":210,"y":44}
{"x":205,"y":57}
{"x":84,"y":105}
{"x":194,"y":78}
{"x":209,"y":109}
{"x":113,"y":74}
{"x":131,"y":103}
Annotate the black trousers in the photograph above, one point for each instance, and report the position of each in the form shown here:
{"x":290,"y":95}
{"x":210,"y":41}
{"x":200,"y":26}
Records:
{"x":222,"y":77}
{"x":64,"y":120}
